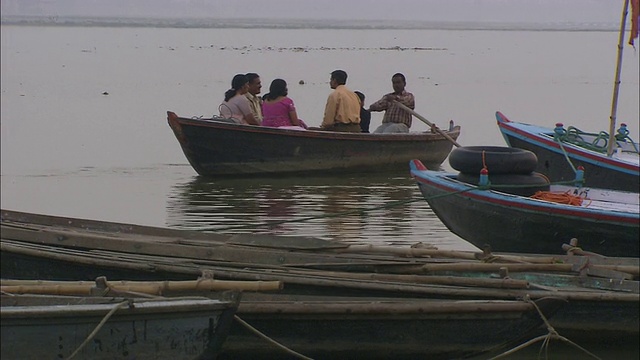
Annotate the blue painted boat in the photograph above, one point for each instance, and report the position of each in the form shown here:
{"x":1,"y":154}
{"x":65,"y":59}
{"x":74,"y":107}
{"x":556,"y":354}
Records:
{"x":560,"y":151}
{"x":606,"y":222}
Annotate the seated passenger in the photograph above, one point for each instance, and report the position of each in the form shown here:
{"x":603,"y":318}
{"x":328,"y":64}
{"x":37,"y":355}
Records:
{"x":342,"y":112}
{"x":236,"y":105}
{"x":278,"y":110}
{"x":365,"y":115}
{"x":255,"y":101}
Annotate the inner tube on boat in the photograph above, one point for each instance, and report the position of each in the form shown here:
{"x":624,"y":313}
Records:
{"x":498,"y":160}
{"x":527,"y":184}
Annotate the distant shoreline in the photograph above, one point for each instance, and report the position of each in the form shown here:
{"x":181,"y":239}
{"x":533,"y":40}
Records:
{"x":258,"y":23}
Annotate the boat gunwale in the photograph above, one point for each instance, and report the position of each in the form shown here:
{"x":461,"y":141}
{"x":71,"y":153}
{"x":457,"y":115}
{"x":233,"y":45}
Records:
{"x":329,"y":135}
{"x":168,"y":306}
{"x":434,"y":179}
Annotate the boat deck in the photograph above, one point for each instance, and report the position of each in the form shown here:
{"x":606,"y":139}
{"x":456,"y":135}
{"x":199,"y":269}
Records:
{"x":603,"y":199}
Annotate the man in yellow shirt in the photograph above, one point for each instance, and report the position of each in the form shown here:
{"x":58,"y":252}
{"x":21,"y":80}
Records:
{"x":255,"y":102}
{"x":342,"y":112}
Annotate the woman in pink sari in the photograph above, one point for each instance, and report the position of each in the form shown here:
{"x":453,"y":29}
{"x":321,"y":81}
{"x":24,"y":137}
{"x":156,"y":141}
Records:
{"x":278,"y":110}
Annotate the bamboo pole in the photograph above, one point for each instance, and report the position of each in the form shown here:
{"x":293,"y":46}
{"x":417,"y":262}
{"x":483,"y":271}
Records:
{"x":324,"y":280}
{"x":453,"y":254}
{"x":150,"y":263}
{"x":417,"y":307}
{"x":627,"y":271}
{"x":144,"y":287}
{"x":178,"y":286}
{"x":616,"y":82}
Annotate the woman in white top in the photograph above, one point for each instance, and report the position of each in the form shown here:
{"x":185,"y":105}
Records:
{"x":236,"y":105}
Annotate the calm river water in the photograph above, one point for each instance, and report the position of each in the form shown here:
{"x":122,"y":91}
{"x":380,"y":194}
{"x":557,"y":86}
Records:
{"x":84,"y":131}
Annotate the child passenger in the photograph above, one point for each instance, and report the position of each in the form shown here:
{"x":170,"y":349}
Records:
{"x":365,"y":115}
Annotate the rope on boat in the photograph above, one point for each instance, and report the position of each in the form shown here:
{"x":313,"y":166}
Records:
{"x":557,"y":137}
{"x":546,"y":339}
{"x":100,"y":325}
{"x":270,"y":340}
{"x":572,"y":135}
{"x":562,"y":198}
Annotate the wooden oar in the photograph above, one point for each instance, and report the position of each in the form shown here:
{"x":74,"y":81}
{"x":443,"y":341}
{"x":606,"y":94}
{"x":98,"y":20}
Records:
{"x":424,"y":120}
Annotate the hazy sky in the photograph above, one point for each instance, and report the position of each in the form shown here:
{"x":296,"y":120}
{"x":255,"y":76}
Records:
{"x":430,"y":10}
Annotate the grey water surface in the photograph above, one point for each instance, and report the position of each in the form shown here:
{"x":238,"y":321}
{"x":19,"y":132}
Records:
{"x":84,"y":133}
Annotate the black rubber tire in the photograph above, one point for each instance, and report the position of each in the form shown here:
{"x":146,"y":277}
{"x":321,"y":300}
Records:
{"x":499,"y":160}
{"x":535,"y":181}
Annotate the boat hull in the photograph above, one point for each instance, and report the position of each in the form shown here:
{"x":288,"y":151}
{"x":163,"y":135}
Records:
{"x":219,"y":149}
{"x":54,"y":327}
{"x":384,"y":329}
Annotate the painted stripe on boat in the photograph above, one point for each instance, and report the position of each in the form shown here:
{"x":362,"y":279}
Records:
{"x":525,"y":203}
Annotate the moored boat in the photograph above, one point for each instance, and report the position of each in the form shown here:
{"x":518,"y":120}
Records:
{"x":385,"y":328}
{"x":605,"y":221}
{"x":321,"y":327}
{"x":561,"y":151}
{"x":214,"y":147}
{"x":45,"y":326}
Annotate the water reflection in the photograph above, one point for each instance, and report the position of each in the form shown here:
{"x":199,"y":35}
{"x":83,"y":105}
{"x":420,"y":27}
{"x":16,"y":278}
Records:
{"x":380,"y":209}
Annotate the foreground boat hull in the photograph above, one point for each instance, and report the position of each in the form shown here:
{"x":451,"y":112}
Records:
{"x":384,"y":329}
{"x":217,"y":148}
{"x":600,"y":171}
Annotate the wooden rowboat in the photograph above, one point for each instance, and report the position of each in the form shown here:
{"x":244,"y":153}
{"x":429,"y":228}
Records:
{"x":45,"y":327}
{"x":217,"y":148}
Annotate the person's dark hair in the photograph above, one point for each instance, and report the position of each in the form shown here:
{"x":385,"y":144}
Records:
{"x":400,"y":76}
{"x":361,"y":96}
{"x":238,"y":82}
{"x":277,"y":88}
{"x":339,"y":76}
{"x":251,"y":77}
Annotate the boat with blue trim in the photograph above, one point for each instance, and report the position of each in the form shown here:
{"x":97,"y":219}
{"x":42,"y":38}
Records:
{"x":604,"y":221}
{"x":561,"y":151}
